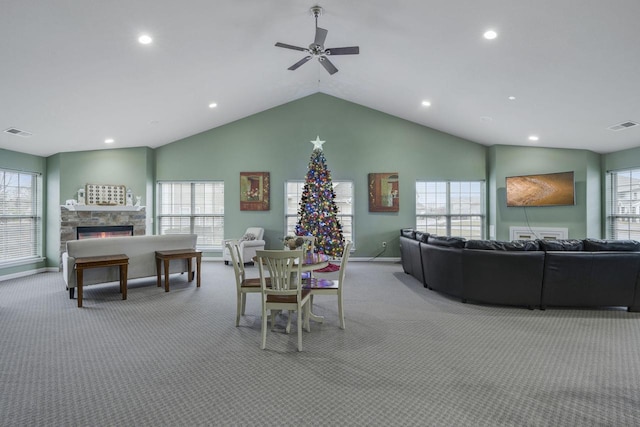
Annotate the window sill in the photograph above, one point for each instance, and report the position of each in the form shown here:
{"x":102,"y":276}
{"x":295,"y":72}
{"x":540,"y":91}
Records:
{"x":24,"y":261}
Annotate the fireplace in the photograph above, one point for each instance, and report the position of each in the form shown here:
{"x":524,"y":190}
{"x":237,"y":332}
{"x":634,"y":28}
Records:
{"x":103,"y":231}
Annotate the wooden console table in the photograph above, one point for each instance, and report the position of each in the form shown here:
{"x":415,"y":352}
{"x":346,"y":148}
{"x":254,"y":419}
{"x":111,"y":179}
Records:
{"x":167,"y":256}
{"x":119,"y":260}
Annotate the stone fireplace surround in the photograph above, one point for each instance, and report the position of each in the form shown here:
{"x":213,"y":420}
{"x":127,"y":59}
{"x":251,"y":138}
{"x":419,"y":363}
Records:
{"x":91,"y":216}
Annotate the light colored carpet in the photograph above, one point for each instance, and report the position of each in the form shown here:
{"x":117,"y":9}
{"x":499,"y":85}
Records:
{"x":409,"y":356}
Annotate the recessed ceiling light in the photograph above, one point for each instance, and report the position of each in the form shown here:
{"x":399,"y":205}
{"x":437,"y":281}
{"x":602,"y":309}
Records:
{"x":426,"y":103}
{"x":213,"y":105}
{"x":109,"y":141}
{"x":512,"y":98}
{"x":145,"y":39}
{"x":533,"y":138}
{"x":490,"y":35}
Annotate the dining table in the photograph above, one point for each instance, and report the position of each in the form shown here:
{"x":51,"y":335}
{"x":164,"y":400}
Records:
{"x":312,"y":261}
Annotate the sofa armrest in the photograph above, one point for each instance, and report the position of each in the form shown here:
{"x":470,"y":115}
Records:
{"x":251,"y":243}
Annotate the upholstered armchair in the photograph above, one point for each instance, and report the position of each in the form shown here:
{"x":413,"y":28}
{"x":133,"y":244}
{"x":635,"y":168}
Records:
{"x":249,"y":243}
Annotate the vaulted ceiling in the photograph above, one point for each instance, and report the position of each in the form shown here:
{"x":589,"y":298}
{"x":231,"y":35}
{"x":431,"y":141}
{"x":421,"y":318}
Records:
{"x":73,"y":73}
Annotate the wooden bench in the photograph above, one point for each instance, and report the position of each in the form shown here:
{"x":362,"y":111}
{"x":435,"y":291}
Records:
{"x":119,"y":260}
{"x":166,"y":257}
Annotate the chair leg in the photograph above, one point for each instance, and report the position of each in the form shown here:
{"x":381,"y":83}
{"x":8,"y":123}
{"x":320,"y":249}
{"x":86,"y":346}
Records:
{"x":299,"y":322}
{"x":307,"y":316}
{"x":244,"y":302}
{"x":340,"y":310}
{"x":238,"y":307}
{"x":288,"y":329}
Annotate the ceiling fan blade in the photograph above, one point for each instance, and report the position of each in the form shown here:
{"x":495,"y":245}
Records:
{"x":299,"y":63}
{"x":321,"y":35}
{"x":288,"y":46}
{"x":351,"y":50}
{"x":328,"y":65}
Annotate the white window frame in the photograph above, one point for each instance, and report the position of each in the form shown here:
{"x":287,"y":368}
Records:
{"x":448,"y":215}
{"x":622,"y":205}
{"x":20,"y":206}
{"x":289,"y":213}
{"x":195,"y":213}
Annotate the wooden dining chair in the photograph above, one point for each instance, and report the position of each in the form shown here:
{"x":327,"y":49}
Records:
{"x":244,"y":285}
{"x":331,"y":287}
{"x":284,"y":294}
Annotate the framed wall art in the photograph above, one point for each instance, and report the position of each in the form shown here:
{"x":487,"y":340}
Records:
{"x":105,"y":194}
{"x":384,"y":194}
{"x":254,"y":191}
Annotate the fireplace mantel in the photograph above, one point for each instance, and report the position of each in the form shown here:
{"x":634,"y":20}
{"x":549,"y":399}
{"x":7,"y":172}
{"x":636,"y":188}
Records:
{"x":97,"y":208}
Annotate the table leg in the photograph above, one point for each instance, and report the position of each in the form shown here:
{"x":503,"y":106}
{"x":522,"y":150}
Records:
{"x":158,"y":272}
{"x":189,"y":269}
{"x":198,"y":262}
{"x":79,"y":278}
{"x":123,"y":280}
{"x":166,"y":275}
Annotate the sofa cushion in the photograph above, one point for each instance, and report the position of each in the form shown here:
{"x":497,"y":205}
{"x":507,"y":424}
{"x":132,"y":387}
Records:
{"x":450,"y":242}
{"x":497,"y":245}
{"x":490,"y":245}
{"x":422,"y":237}
{"x":248,"y":236}
{"x":408,"y":232}
{"x":522,"y":245}
{"x":561,"y":245}
{"x":595,"y":245}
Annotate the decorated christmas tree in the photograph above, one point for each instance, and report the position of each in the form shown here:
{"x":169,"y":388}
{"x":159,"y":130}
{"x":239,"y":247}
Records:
{"x":318,"y":213}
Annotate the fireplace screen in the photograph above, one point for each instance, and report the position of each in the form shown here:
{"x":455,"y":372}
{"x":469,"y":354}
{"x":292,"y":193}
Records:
{"x":104,"y":231}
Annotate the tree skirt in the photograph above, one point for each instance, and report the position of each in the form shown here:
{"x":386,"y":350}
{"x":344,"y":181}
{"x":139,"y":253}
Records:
{"x":329,"y":268}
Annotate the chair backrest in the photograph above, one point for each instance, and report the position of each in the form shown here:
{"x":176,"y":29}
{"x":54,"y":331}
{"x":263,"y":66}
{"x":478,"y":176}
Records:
{"x":284,"y":270}
{"x":236,"y":260}
{"x":309,"y":243}
{"x":345,"y":258}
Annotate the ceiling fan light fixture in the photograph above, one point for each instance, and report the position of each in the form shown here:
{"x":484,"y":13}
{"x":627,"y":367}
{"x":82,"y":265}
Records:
{"x":317,"y":49}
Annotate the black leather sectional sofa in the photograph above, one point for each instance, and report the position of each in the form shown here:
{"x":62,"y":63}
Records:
{"x":533,"y":273}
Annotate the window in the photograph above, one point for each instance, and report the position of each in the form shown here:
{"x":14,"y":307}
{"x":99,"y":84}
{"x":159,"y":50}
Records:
{"x":451,"y":208}
{"x":20,"y":217}
{"x":344,"y":201}
{"x":192,"y":207}
{"x":623,"y":206}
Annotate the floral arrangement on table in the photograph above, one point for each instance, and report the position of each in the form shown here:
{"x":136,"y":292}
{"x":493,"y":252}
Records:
{"x":293,"y":242}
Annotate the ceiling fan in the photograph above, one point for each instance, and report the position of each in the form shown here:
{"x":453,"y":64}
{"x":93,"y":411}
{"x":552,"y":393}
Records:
{"x":317,"y":49}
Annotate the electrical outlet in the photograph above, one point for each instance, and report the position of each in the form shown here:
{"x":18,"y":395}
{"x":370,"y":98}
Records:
{"x":384,"y":244}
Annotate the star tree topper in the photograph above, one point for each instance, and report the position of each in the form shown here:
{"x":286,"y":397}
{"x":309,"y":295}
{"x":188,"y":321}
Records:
{"x":317,"y":144}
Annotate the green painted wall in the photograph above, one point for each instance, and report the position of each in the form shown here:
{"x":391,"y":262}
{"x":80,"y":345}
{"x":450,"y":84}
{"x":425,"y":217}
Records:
{"x":626,"y":159}
{"x":26,"y":163}
{"x":125,"y":166}
{"x":583,"y":219}
{"x":358,"y":141}
{"x":132,"y":167}
{"x":53,"y":210}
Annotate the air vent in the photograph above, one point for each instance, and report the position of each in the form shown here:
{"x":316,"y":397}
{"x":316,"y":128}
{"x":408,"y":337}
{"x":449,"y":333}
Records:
{"x":622,"y":126}
{"x":18,"y":132}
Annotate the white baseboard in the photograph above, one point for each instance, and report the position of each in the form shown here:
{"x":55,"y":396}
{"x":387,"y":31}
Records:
{"x":29,"y":273}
